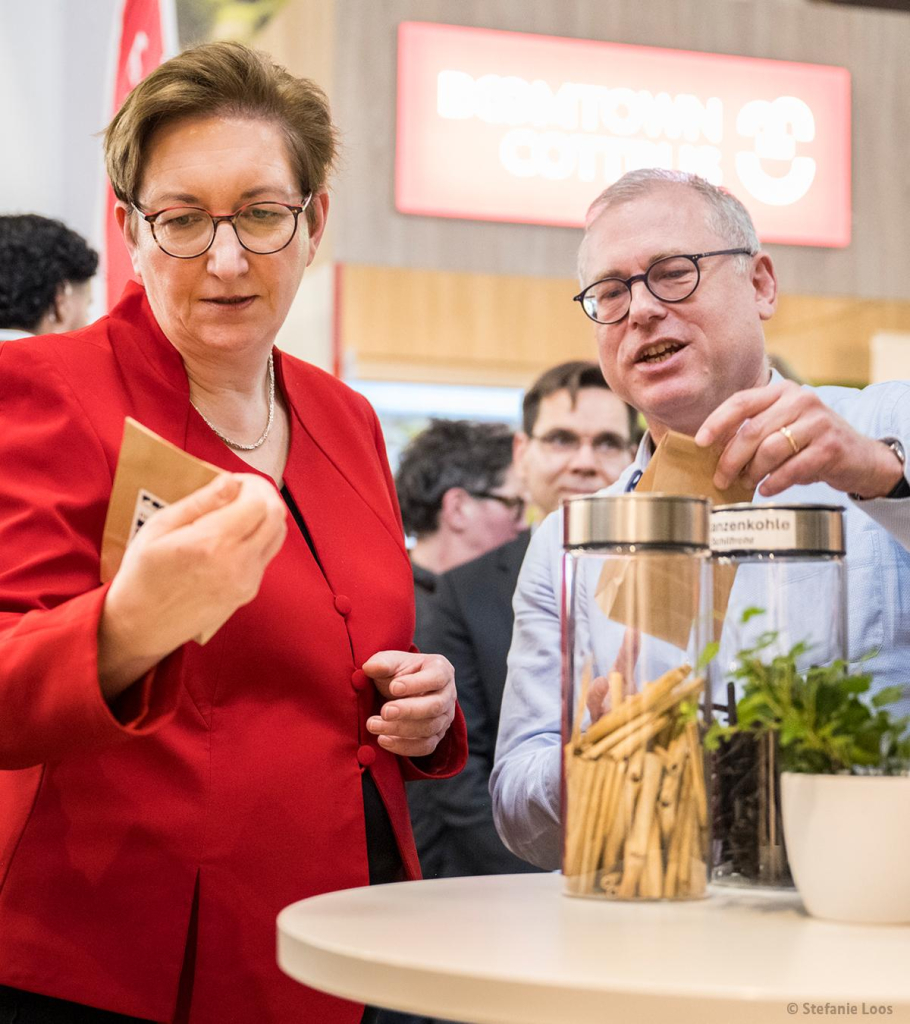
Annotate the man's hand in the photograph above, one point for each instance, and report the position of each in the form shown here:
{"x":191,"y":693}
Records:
{"x":783,"y":435}
{"x":420,"y":701}
{"x":607,"y":692}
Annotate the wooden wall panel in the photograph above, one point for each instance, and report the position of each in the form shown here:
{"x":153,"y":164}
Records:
{"x":827,"y":339}
{"x":461,"y":328}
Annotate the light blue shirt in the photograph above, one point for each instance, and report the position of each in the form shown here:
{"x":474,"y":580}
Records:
{"x":525,"y":783}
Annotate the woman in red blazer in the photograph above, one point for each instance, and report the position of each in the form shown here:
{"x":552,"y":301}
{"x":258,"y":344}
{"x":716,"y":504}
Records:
{"x":161,"y":801}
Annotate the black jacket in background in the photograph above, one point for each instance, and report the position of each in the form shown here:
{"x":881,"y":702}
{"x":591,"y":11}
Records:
{"x":424,"y":599}
{"x":470,"y":622}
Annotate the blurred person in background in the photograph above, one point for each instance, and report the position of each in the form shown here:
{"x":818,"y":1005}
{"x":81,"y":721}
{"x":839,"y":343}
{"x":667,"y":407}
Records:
{"x":460,"y":497}
{"x":161,"y":801}
{"x":46,"y":272}
{"x":576,"y":437}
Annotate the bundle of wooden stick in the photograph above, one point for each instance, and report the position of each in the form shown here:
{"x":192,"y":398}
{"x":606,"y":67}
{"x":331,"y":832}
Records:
{"x":636,"y":820}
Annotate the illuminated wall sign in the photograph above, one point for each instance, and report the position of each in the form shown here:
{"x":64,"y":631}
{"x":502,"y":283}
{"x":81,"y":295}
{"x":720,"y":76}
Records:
{"x":511,"y":127}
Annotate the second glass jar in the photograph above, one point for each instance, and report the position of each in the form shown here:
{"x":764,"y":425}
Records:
{"x":780,"y":581}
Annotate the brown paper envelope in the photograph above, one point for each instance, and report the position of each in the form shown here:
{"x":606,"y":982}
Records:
{"x":151,"y":474}
{"x":661,"y":598}
{"x":680,"y":466}
{"x":657,"y":594}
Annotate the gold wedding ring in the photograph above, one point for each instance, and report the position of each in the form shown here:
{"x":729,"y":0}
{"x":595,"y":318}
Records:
{"x":791,"y":440}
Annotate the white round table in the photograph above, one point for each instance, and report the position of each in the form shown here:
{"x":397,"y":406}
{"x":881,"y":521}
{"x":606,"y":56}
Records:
{"x":511,"y":949}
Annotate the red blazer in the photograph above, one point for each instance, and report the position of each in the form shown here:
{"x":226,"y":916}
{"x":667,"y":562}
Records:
{"x":229,"y":779}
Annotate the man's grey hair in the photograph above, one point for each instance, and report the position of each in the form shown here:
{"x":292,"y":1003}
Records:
{"x":725,"y":214}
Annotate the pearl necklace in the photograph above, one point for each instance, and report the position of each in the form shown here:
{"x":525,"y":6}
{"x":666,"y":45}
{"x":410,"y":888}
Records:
{"x":263,"y":437}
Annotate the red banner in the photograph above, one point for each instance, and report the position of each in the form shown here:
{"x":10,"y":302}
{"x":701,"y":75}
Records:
{"x":530,"y":129}
{"x":146,"y":36}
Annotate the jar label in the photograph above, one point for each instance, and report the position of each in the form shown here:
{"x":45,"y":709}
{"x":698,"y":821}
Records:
{"x":753,"y":530}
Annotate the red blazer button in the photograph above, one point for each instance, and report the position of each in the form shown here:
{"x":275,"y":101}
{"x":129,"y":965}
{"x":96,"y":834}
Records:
{"x":366,"y":755}
{"x":359,"y":679}
{"x":343,"y":605}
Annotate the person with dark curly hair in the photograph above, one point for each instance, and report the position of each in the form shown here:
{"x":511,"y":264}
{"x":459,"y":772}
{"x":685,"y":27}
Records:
{"x":459,"y":497}
{"x":46,"y":272}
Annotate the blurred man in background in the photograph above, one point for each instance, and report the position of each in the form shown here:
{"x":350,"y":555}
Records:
{"x":46,"y":271}
{"x":459,"y":496}
{"x":576,"y":437}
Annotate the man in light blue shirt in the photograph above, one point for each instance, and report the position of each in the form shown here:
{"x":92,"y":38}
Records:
{"x":678,"y":287}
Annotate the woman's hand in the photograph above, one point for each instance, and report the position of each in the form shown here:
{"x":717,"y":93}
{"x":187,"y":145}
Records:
{"x":420,"y":701}
{"x":190,"y":568}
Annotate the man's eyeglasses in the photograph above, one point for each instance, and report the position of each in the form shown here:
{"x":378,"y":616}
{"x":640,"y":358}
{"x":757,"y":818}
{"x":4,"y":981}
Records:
{"x":186,"y":232}
{"x":567,"y":442}
{"x":670,"y":279}
{"x":512,"y":502}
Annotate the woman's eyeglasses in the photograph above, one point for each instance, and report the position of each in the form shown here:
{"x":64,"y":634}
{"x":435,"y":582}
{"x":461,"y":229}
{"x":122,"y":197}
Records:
{"x":186,"y":232}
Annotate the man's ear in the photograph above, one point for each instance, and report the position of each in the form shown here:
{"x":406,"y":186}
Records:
{"x":764,"y":281}
{"x":126,"y":221}
{"x":520,"y":444}
{"x":453,"y":511}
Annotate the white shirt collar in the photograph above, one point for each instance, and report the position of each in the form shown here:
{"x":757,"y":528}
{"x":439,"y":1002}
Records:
{"x":12,"y":333}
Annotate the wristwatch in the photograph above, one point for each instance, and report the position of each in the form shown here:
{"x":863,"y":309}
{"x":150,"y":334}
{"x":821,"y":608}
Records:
{"x":902,"y":487}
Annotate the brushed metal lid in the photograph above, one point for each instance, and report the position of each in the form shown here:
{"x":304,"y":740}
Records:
{"x":777,"y":528}
{"x":651,"y":520}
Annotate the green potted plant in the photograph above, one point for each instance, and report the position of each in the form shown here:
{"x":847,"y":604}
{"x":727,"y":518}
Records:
{"x":844,"y":787}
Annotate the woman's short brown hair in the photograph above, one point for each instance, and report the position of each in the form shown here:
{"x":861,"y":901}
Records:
{"x":222,"y":78}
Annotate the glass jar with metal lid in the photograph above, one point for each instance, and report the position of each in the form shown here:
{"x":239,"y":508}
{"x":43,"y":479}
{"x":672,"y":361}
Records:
{"x":637,"y":610}
{"x":779,"y":578}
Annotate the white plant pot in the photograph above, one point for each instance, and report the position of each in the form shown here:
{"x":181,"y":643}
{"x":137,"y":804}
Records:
{"x":847,"y":840}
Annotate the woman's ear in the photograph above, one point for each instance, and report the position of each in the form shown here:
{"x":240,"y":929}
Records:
{"x":320,"y":206}
{"x":126,"y":221}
